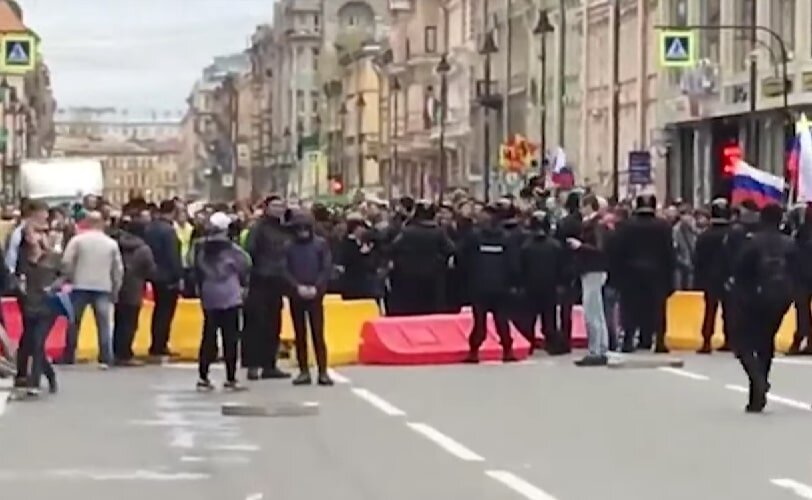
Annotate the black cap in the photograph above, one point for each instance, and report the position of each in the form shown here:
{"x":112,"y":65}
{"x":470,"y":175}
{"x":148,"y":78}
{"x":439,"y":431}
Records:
{"x":646,"y":204}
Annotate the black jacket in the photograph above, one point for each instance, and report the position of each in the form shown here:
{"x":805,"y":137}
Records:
{"x":711,"y":267}
{"x":139,"y":267}
{"x":421,"y":251}
{"x":569,"y":227}
{"x":748,"y":274}
{"x":267,"y":244}
{"x":540,"y":265}
{"x":495,"y":261}
{"x":590,"y":256}
{"x":644,"y":253}
{"x":165,"y":246}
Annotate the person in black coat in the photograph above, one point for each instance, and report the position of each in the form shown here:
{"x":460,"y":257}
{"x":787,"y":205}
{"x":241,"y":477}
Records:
{"x":803,"y":241}
{"x":496,"y":264}
{"x":569,"y":227}
{"x":420,"y":256}
{"x":358,"y":261}
{"x":540,"y":265}
{"x":644,"y":255}
{"x":712,"y":270}
{"x":167,"y":281}
{"x":762,"y":291}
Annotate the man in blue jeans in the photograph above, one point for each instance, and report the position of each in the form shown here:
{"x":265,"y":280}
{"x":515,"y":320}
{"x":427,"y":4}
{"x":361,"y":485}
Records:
{"x":93,"y":265}
{"x":592,"y":264}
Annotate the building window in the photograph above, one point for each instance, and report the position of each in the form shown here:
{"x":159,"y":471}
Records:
{"x":742,"y":45}
{"x":314,"y":102}
{"x":300,"y":101}
{"x":782,"y":21}
{"x":316,"y":21}
{"x":408,"y":49}
{"x":316,"y":54}
{"x":711,"y":16}
{"x":430,"y":39}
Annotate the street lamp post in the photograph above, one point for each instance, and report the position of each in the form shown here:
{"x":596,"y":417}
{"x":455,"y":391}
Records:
{"x":394,"y":87}
{"x":543,"y":27}
{"x":360,"y":104}
{"x":342,"y":113}
{"x":487,"y":49}
{"x":443,"y":68}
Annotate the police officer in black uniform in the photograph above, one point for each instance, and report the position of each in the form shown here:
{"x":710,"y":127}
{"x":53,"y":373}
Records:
{"x":540,"y":264}
{"x":644,"y":255}
{"x":712,"y":272}
{"x":495,"y":262}
{"x":762,"y":291}
{"x":570,"y":226}
{"x":420,"y":255}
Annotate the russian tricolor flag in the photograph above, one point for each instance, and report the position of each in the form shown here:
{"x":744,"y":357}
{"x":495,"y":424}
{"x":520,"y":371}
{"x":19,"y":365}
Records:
{"x":761,"y":187}
{"x":562,"y":175}
{"x":800,"y":159}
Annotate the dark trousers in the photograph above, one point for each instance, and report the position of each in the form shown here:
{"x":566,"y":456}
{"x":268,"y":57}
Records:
{"x":166,"y":301}
{"x":712,"y":302}
{"x":642,"y":310}
{"x":496,"y":304}
{"x":566,"y":302}
{"x":803,"y":314}
{"x":125,"y":324}
{"x":418,"y":297}
{"x":263,"y":324}
{"x":32,"y":345}
{"x":227,"y":321}
{"x":543,"y":307}
{"x":754,"y":340}
{"x":302,"y":313}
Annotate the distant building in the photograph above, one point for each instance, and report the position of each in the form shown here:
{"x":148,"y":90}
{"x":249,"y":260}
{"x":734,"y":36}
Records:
{"x":118,"y":124}
{"x":148,"y":168}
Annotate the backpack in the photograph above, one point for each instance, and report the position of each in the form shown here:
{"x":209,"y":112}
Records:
{"x":774,"y":278}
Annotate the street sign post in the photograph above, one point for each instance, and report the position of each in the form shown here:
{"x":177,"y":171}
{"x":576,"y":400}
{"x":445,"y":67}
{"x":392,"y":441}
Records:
{"x":18,"y":53}
{"x":639,"y":168}
{"x":677,"y":49}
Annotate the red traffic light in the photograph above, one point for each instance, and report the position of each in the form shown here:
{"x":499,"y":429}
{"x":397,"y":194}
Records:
{"x":336,"y":186}
{"x":731,"y":155}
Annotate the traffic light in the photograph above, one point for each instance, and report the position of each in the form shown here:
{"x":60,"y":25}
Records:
{"x":731,"y":155}
{"x":336,"y":185}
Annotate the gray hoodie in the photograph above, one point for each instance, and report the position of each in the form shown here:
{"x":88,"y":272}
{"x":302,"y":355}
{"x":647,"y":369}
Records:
{"x":222,"y":270}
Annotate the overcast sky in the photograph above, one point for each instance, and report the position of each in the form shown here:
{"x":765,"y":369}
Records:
{"x":137,"y":53}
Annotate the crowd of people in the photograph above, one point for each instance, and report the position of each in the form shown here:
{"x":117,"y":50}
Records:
{"x":525,"y":260}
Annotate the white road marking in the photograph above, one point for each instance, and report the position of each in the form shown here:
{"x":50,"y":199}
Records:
{"x":255,"y":496}
{"x":793,"y":403}
{"x":192,"y":459}
{"x":684,"y":373}
{"x":793,"y":361}
{"x":378,"y":402}
{"x":5,"y":395}
{"x":235,"y":447}
{"x":445,"y":442}
{"x":519,"y":485}
{"x":182,"y":438}
{"x":337,"y":377}
{"x":800,"y":489}
{"x":134,"y":475}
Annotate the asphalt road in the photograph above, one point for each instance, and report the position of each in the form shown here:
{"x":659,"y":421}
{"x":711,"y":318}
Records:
{"x":543,"y":430}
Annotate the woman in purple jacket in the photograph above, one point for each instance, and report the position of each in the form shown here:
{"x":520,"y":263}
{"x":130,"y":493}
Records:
{"x":221,"y":268}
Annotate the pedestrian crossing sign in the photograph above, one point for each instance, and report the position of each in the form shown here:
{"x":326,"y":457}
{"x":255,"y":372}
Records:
{"x":19,"y":53}
{"x":677,"y":49}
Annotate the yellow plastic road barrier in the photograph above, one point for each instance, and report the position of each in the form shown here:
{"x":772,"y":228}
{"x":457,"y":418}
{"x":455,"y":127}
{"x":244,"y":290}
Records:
{"x":343,"y":321}
{"x":342,"y":328}
{"x":684,"y":324}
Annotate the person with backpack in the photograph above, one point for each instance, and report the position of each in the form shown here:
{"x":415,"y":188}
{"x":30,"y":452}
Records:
{"x":762,"y":291}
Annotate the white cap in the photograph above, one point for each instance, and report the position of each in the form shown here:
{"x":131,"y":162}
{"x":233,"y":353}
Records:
{"x":220,"y":221}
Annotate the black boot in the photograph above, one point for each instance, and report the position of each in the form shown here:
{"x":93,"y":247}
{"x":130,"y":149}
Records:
{"x":472,"y":358}
{"x":795,"y":347}
{"x":253,"y":374}
{"x":706,"y":347}
{"x":324,"y":379}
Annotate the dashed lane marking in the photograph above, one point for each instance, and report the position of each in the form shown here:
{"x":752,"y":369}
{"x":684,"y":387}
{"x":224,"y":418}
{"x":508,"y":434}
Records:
{"x":5,"y":395}
{"x":684,"y":373}
{"x":255,"y":496}
{"x":445,"y":442}
{"x":793,"y":361}
{"x":774,"y":398}
{"x":519,"y":485}
{"x":800,"y":489}
{"x":378,"y":402}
